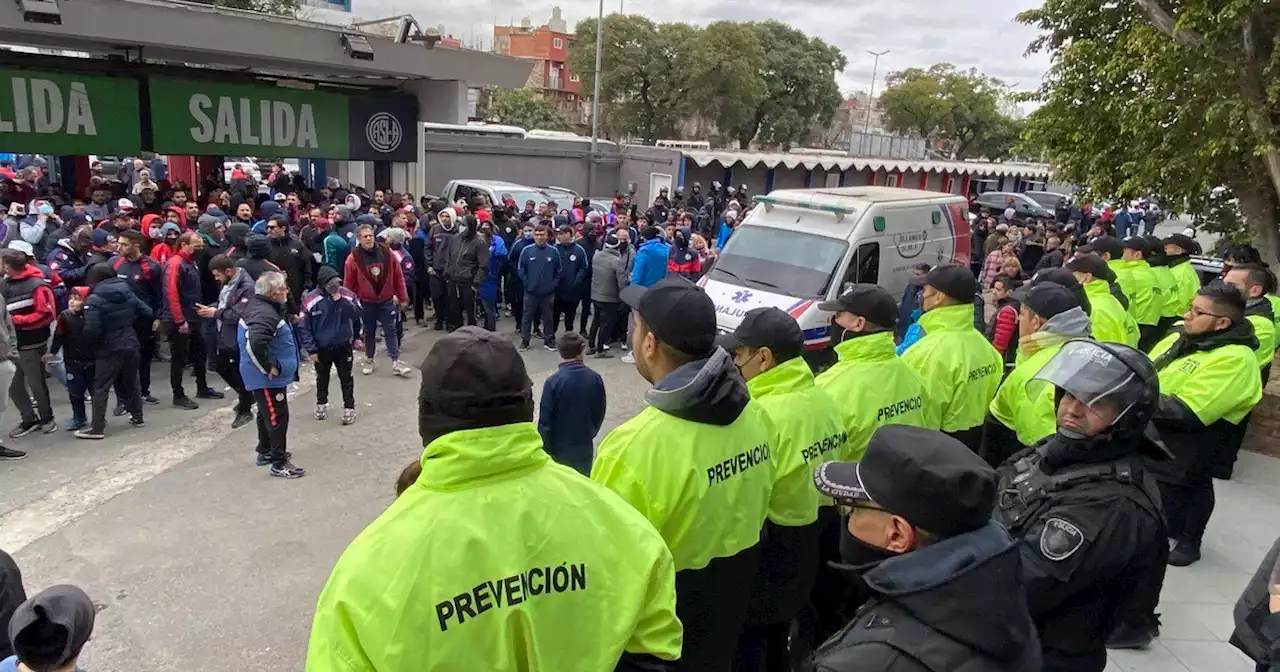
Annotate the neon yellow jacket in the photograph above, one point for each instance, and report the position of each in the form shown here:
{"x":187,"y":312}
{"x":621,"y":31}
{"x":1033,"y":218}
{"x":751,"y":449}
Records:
{"x":498,"y":559}
{"x":1275,"y":308}
{"x":1219,"y":384}
{"x":1139,"y":284}
{"x":1110,"y":322}
{"x":960,"y":368}
{"x":705,"y":487}
{"x":1167,"y":285}
{"x":808,"y":431}
{"x":872,"y":387}
{"x":1188,"y":285}
{"x":1264,"y":329}
{"x":1031,"y":414}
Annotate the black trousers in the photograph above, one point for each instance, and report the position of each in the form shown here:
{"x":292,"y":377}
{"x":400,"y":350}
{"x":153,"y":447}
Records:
{"x":566,"y":308}
{"x":1188,"y":505}
{"x":229,"y":369}
{"x":462,"y":305}
{"x":585,"y":319}
{"x":273,"y":424}
{"x":515,"y":295}
{"x":440,"y":298}
{"x":602,"y":327}
{"x":188,"y":347}
{"x":421,"y":292}
{"x":147,"y":351}
{"x":340,"y":358}
{"x":621,"y":332}
{"x":1227,"y":451}
{"x":118,"y":370}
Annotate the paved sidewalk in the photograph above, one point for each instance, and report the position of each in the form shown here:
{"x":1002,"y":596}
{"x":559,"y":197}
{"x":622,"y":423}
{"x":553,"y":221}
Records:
{"x":1196,"y":603}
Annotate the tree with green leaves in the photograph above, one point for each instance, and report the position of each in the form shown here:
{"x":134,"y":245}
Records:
{"x":800,"y":91}
{"x":277,"y":7}
{"x":1171,"y":98}
{"x":650,"y":73}
{"x":525,"y":108}
{"x":961,"y":108}
{"x":728,"y":61}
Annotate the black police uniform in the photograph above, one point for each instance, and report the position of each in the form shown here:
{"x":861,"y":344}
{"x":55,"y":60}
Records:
{"x":1088,"y":514}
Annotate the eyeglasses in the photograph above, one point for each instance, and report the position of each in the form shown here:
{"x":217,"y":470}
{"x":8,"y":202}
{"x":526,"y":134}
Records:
{"x":847,"y":507}
{"x":1196,"y":312}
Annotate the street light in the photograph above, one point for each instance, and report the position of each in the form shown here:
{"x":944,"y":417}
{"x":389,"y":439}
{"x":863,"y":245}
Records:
{"x":871,"y":99}
{"x":595,"y":101}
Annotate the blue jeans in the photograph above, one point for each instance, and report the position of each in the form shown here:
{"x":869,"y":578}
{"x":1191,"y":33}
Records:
{"x":386,"y":314}
{"x":79,"y":383}
{"x":535,"y":306}
{"x":490,"y":313}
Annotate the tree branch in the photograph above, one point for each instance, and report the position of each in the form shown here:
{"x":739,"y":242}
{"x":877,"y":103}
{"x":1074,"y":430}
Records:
{"x":1166,"y":24}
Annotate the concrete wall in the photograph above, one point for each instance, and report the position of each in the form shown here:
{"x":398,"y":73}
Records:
{"x":536,"y":162}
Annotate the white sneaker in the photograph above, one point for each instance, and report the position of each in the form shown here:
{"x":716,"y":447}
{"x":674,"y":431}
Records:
{"x":628,"y":359}
{"x":322,"y":411}
{"x":348,"y":416}
{"x":401,"y":369}
{"x":366,"y":367}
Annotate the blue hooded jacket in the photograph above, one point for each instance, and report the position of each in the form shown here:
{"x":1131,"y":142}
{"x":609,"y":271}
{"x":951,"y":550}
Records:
{"x":109,"y":315}
{"x":651,"y":263}
{"x":326,"y":323}
{"x":266,"y":342}
{"x":267,"y":209}
{"x":497,"y":255}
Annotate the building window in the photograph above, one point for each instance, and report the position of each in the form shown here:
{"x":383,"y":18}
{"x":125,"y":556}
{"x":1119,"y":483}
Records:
{"x":557,"y":43}
{"x":573,"y":78}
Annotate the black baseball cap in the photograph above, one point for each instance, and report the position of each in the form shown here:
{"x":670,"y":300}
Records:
{"x":564,"y":228}
{"x":872,"y":302}
{"x":954,"y":281}
{"x":1107,"y":245}
{"x":1047,"y":299}
{"x":1091,"y":264}
{"x":766,"y":327}
{"x":1185,"y":242}
{"x":678,"y":312}
{"x":1065,"y":278}
{"x":470,"y":373}
{"x":49,"y":630}
{"x":1138,"y":243}
{"x":923,"y":475}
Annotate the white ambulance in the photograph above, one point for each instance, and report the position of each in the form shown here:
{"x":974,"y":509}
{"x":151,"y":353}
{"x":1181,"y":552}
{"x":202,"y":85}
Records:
{"x":800,"y":247}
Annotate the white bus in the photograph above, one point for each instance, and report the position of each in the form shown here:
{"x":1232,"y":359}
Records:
{"x":684,"y":144}
{"x":478,"y":130}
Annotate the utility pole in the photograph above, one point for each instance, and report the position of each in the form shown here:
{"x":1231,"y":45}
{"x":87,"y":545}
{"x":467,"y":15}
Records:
{"x":595,"y":102}
{"x":871,"y":99}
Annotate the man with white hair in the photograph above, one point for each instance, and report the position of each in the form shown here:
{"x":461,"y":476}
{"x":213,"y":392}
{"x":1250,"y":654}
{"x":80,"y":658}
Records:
{"x":268,"y":363}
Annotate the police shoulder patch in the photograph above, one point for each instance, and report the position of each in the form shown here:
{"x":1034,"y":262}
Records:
{"x":1060,"y":539}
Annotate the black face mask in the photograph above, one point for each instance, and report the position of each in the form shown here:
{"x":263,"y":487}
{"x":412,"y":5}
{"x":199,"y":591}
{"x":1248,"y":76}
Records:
{"x":858,"y":553}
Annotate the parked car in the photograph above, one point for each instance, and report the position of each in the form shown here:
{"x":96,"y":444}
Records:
{"x":493,"y":190}
{"x":998,"y":201}
{"x":247,"y":163}
{"x":1047,"y":199}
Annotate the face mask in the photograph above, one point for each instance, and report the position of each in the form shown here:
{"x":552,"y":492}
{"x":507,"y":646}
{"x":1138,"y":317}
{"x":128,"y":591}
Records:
{"x":332,"y":286}
{"x":856,"y":552}
{"x":528,"y":236}
{"x":46,"y":209}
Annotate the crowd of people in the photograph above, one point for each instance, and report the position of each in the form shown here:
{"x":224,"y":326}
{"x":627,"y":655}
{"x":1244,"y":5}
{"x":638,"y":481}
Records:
{"x":989,"y":477}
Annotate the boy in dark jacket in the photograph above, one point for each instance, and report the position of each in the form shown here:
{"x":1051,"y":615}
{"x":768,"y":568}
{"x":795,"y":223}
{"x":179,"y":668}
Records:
{"x":572,"y":407}
{"x":77,"y":355}
{"x":109,"y":316}
{"x":327,"y":329}
{"x":573,"y":259}
{"x":236,"y":290}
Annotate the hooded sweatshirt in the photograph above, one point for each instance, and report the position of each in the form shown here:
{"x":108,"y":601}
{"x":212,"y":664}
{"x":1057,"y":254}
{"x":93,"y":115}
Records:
{"x":701,"y":430}
{"x":374,"y":276}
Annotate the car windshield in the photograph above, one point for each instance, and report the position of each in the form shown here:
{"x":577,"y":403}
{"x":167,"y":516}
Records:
{"x":1044,"y":198}
{"x":522,"y":195}
{"x":779,"y":260}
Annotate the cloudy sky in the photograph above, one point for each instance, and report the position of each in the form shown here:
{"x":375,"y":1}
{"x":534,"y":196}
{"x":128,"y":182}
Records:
{"x":969,"y":33}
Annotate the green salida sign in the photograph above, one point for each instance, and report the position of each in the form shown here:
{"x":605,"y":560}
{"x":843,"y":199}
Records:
{"x":60,"y":113}
{"x":246,"y":119}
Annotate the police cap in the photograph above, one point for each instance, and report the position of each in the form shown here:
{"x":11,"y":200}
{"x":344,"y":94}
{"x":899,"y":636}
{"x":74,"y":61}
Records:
{"x":922,"y":475}
{"x":954,"y":281}
{"x":678,"y":312}
{"x":766,"y":327}
{"x":871,"y":302}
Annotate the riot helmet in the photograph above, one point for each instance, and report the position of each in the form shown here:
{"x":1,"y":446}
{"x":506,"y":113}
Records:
{"x":1107,"y":376}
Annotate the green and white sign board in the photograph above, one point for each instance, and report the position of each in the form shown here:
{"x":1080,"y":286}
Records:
{"x":59,"y":113}
{"x":189,"y":117}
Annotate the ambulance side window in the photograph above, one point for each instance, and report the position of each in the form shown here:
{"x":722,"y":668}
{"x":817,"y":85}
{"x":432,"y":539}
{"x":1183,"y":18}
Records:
{"x":864,"y":267}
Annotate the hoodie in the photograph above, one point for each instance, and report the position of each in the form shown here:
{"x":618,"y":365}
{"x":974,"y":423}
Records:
{"x":109,"y":315}
{"x":256,"y":262}
{"x":955,"y":605}
{"x":268,"y":210}
{"x":326,"y":323}
{"x":231,"y":298}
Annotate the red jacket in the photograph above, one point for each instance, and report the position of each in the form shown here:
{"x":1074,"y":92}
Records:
{"x":44,"y":308}
{"x":376,"y":281}
{"x":1005,"y":329}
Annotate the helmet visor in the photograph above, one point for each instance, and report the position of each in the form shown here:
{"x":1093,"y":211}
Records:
{"x":1086,"y":371}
